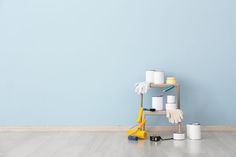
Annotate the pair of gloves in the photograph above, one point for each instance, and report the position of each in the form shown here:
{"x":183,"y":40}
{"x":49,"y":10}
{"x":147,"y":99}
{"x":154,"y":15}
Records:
{"x":142,"y":87}
{"x":174,"y":116}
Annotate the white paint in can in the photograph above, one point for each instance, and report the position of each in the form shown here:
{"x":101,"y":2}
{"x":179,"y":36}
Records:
{"x":157,"y":103}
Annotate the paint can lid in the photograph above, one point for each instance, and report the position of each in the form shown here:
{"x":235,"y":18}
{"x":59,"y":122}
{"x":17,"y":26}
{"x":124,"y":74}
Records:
{"x":170,"y":78}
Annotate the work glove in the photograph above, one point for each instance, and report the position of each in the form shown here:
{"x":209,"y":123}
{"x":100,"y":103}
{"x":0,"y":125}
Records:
{"x":174,"y":115}
{"x":142,"y":87}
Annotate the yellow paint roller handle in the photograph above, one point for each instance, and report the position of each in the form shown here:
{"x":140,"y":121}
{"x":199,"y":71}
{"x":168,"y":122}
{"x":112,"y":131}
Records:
{"x":139,"y":119}
{"x":141,"y":124}
{"x":138,"y":132}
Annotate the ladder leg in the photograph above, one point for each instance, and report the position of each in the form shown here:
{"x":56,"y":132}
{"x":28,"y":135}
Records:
{"x":178,"y":96}
{"x":141,"y":100}
{"x":144,"y":117}
{"x":179,"y":127}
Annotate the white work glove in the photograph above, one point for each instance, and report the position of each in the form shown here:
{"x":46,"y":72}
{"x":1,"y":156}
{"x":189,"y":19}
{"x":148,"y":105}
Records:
{"x":142,"y":87}
{"x":174,"y":116}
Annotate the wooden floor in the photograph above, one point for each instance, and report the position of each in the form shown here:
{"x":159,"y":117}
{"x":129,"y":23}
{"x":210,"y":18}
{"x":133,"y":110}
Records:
{"x":112,"y":144}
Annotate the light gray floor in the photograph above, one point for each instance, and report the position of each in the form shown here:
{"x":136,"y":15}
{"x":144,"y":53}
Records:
{"x":111,"y":144}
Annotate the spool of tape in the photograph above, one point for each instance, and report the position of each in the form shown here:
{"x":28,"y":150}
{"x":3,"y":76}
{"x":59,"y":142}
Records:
{"x":171,"y":106}
{"x":178,"y":136}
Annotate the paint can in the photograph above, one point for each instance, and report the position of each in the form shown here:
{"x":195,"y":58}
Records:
{"x":150,"y":76}
{"x":171,"y":106}
{"x":178,"y":136}
{"x":171,"y":80}
{"x":170,"y":99}
{"x":194,"y":131}
{"x":159,"y":77}
{"x":157,"y":102}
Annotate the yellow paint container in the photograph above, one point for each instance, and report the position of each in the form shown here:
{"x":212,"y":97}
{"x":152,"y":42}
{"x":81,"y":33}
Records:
{"x":171,"y":80}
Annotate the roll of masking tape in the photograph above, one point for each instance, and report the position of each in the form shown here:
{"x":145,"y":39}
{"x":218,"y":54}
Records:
{"x":171,"y":80}
{"x":178,"y":136}
{"x":150,"y":76}
{"x":159,"y":77}
{"x":157,"y":103}
{"x":170,"y":99}
{"x":171,"y":106}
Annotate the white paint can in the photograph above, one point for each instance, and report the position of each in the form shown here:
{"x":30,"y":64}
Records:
{"x":159,"y":77}
{"x":157,"y":103}
{"x":194,"y":131}
{"x":171,"y":106}
{"x":150,"y":76}
{"x":170,"y":99}
{"x":178,"y":136}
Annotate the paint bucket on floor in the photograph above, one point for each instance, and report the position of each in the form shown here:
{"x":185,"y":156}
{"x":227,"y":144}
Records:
{"x":194,"y":131}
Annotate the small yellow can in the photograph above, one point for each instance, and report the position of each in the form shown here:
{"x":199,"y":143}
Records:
{"x":171,"y":80}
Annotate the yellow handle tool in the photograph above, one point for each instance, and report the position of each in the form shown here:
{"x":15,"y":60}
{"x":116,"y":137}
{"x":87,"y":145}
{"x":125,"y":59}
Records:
{"x":138,"y":132}
{"x":139,"y":119}
{"x":140,"y":126}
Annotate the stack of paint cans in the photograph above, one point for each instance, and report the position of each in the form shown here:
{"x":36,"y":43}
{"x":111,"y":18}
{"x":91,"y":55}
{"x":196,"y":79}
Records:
{"x":171,"y":105}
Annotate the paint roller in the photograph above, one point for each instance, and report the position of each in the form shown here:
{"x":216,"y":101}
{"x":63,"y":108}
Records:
{"x":138,"y":131}
{"x":168,"y":88}
{"x":140,"y":114}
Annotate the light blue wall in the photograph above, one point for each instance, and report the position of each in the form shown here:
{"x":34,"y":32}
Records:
{"x":76,"y":61}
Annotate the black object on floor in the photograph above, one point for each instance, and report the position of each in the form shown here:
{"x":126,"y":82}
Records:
{"x":158,"y":138}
